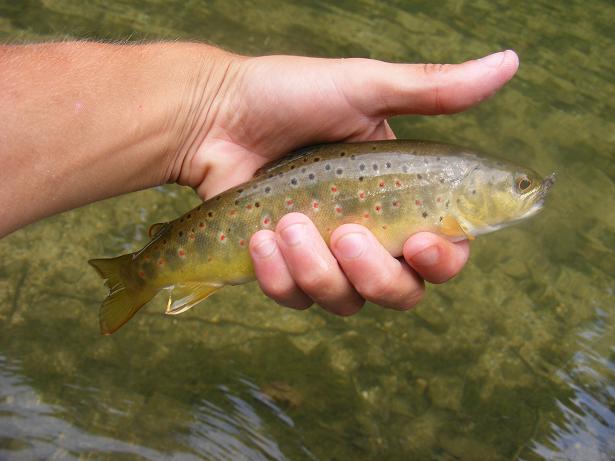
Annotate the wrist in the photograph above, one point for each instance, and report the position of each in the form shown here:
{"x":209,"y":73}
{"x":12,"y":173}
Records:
{"x":195,"y":98}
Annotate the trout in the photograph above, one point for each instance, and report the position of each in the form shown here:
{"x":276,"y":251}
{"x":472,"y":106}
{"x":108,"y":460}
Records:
{"x":394,"y":188}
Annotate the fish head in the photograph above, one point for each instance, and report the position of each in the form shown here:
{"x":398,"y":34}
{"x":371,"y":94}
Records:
{"x":496,"y":194}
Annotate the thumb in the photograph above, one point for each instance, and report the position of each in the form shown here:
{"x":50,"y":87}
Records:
{"x":381,"y":89}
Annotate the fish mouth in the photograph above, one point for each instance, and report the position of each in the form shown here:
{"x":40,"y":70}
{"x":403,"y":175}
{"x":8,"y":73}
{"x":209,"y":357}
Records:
{"x":547,"y":183}
{"x":540,"y":195}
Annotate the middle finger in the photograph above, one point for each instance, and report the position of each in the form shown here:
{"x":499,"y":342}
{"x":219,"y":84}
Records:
{"x":313,"y":267}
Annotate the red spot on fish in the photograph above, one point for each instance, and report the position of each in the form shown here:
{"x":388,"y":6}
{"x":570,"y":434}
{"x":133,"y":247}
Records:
{"x":439,"y":199}
{"x":161,"y":261}
{"x":222,"y":237}
{"x":338,"y":209}
{"x":146,"y":259}
{"x":361,"y":195}
{"x":181,"y":252}
{"x":397,"y":183}
{"x":142,"y":274}
{"x":266,"y":221}
{"x":334,"y":189}
{"x":418,"y":202}
{"x":315,"y":205}
{"x":396,"y":203}
{"x":289,"y":202}
{"x":249,"y":206}
{"x":378,"y":208}
{"x":201,"y":225}
{"x":242,"y":243}
{"x":232,"y":212}
{"x":381,"y":183}
{"x":366,"y":215}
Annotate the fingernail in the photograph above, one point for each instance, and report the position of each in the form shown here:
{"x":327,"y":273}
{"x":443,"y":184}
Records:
{"x":493,"y":60}
{"x":265,"y":248}
{"x":294,"y":234}
{"x":351,"y":245}
{"x":427,"y":257}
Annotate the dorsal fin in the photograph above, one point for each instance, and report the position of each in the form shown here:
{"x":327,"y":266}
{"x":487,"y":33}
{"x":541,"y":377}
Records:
{"x":274,"y":165}
{"x":156,"y":228}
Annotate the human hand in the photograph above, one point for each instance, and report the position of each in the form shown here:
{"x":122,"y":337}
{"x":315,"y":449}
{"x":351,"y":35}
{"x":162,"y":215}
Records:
{"x":268,"y":106}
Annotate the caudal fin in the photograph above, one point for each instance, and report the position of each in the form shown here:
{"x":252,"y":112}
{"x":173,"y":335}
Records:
{"x":124,"y":298}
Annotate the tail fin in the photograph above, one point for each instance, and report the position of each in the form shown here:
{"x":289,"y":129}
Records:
{"x":124,"y":298}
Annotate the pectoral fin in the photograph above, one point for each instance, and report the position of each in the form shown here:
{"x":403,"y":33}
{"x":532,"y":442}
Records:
{"x":183,"y":297}
{"x":451,"y":228}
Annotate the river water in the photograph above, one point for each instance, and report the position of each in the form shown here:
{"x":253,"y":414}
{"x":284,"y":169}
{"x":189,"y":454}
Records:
{"x":514,"y":359}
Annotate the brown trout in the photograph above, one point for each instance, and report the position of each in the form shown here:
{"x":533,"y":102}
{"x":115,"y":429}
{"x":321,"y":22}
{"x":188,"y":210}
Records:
{"x":394,"y":188}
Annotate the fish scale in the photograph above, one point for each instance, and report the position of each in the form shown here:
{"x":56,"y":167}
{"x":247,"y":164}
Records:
{"x":394,"y":188}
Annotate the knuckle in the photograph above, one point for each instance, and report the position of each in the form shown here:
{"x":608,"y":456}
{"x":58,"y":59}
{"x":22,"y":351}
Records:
{"x":413,"y":297}
{"x":379,"y":288}
{"x":317,"y":280}
{"x":431,"y":69}
{"x":347,"y":308}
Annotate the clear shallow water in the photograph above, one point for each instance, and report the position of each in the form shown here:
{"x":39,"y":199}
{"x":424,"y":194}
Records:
{"x":515,"y":359}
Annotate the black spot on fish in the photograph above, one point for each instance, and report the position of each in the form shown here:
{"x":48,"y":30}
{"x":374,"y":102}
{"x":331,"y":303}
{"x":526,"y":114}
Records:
{"x":441,"y":180}
{"x":188,"y":217}
{"x":339,"y":171}
{"x":424,"y":214}
{"x":239,"y":191}
{"x":303,"y":170}
{"x":473,"y":192}
{"x":419,"y":176}
{"x":441,"y":218}
{"x":257,"y":204}
{"x":199,"y":208}
{"x":292,"y":167}
{"x":254,"y":187}
{"x":437,"y":159}
{"x":362,"y":166}
{"x":316,"y":159}
{"x":311,"y":176}
{"x":236,"y":202}
{"x":217,"y":198}
{"x":293,"y":181}
{"x":387,"y":164}
{"x":360,"y":178}
{"x":447,"y":204}
{"x":210,"y":214}
{"x":404,"y":168}
{"x":353,"y":157}
{"x":342,"y":154}
{"x":267,"y":189}
{"x":327,"y":167}
{"x":375,"y":166}
{"x":374,"y":147}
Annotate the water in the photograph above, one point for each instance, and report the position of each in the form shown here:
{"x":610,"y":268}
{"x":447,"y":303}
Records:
{"x":512,"y":360}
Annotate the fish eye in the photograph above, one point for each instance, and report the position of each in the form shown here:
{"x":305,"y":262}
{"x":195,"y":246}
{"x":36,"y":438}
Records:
{"x":523,"y":183}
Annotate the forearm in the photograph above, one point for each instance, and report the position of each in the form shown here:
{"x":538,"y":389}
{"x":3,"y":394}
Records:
{"x":83,"y":121}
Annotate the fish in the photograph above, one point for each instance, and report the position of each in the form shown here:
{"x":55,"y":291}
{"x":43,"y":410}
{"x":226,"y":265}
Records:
{"x":394,"y":188}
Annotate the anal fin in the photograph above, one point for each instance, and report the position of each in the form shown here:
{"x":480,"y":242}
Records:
{"x":186,"y":295}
